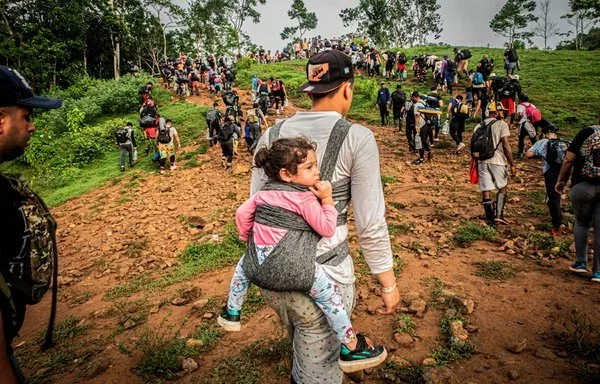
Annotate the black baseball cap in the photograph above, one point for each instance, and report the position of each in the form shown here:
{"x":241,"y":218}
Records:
{"x":15,"y":91}
{"x":326,"y":71}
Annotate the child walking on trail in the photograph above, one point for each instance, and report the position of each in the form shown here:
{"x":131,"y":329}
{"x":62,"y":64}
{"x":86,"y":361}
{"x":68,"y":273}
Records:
{"x":294,"y":186}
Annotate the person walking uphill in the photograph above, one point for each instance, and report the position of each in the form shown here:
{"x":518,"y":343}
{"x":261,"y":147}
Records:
{"x":226,"y":137}
{"x":583,"y":157}
{"x":383,"y":100}
{"x":493,"y":158}
{"x":28,"y":249}
{"x":126,"y":141}
{"x":351,"y":164}
{"x":165,"y":140}
{"x":552,"y":151}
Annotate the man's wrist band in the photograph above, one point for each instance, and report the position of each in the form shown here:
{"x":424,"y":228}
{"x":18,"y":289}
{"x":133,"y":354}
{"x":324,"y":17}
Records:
{"x":389,"y":289}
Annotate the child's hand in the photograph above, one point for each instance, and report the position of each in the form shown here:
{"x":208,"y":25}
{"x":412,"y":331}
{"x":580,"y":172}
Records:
{"x":322,"y":189}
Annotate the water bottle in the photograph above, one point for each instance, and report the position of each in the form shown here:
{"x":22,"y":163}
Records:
{"x":418,"y":142}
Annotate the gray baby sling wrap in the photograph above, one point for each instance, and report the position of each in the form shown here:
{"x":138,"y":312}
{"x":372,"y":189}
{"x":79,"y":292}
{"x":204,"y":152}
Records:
{"x":291,"y":264}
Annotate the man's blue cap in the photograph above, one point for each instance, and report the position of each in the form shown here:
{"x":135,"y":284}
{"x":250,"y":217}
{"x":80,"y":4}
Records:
{"x":15,"y":91}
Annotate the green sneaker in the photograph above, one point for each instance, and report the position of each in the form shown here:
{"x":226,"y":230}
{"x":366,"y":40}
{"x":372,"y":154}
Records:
{"x":229,"y":319}
{"x":362,"y":357}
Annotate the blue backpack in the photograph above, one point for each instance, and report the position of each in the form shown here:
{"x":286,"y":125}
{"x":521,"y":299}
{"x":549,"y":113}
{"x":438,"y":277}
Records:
{"x":477,"y":78}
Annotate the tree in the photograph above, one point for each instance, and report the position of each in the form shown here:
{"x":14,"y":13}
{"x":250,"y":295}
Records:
{"x":399,"y":22}
{"x":584,"y":14}
{"x":306,"y":21}
{"x":589,"y":41}
{"x":513,"y":18}
{"x":545,"y":28}
{"x":237,"y":12}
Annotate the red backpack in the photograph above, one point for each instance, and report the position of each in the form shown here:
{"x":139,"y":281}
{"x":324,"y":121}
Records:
{"x":533,"y":114}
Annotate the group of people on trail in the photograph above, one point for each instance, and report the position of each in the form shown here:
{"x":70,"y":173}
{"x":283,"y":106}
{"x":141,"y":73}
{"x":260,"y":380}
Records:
{"x":189,"y":75}
{"x":270,"y":92}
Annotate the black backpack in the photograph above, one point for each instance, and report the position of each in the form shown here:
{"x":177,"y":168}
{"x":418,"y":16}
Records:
{"x":482,"y":142}
{"x":555,"y":152}
{"x":188,"y":62}
{"x":499,"y":83}
{"x":225,"y":133}
{"x":465,"y":54}
{"x":402,"y":58}
{"x":451,"y":66}
{"x":164,"y":134}
{"x":399,"y":98}
{"x":122,"y":135}
{"x":410,"y":115}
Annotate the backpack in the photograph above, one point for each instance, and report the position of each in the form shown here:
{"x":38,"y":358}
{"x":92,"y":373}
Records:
{"x":533,"y":114}
{"x":462,"y":110}
{"x":590,"y":151}
{"x":212,"y":114}
{"x":399,"y":98}
{"x":27,"y":276}
{"x":188,"y":62}
{"x":410,"y":115}
{"x":147,"y":121}
{"x":451,"y":66}
{"x":482,"y":142}
{"x":122,"y":135}
{"x":164,"y":133}
{"x":477,"y":78}
{"x":232,"y":111}
{"x":402,"y":58}
{"x":466,"y":54}
{"x":432,"y":101}
{"x":225,"y":133}
{"x":194,"y":77}
{"x":499,"y":83}
{"x":555,"y":151}
{"x":148,"y":111}
{"x":251,"y":116}
{"x":230,"y":98}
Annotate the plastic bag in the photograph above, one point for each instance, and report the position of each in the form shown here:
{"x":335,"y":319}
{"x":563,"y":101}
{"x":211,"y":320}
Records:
{"x":418,"y":142}
{"x":474,"y":171}
{"x":446,"y":127}
{"x":134,"y":156}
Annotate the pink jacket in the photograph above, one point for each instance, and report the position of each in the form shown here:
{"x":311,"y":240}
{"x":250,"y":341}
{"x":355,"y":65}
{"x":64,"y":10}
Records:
{"x":322,"y":218}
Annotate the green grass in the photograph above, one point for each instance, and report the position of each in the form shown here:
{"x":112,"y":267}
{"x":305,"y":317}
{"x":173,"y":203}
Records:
{"x":195,"y":258}
{"x":495,"y":270}
{"x":58,"y":187}
{"x":451,"y":350}
{"x":249,"y":366}
{"x":400,"y":228}
{"x":470,"y":232}
{"x":385,"y":180}
{"x":557,"y":82}
{"x":402,"y":374}
{"x":161,"y":351}
{"x":405,"y":324}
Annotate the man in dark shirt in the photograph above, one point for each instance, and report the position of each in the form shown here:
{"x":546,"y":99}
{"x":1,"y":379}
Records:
{"x":16,"y":103}
{"x":398,"y":106}
{"x":583,"y":157}
{"x":383,"y":99}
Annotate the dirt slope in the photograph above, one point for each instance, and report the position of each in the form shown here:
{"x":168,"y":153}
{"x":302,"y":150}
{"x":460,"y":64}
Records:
{"x":137,"y":226}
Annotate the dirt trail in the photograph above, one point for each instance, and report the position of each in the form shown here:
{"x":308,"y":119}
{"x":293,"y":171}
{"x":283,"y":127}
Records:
{"x":119,"y":232}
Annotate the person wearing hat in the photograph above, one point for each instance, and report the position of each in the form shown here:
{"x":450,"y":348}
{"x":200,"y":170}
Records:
{"x":383,"y":100}
{"x":552,"y":151}
{"x":17,"y":240}
{"x":493,"y":172}
{"x":330,"y":88}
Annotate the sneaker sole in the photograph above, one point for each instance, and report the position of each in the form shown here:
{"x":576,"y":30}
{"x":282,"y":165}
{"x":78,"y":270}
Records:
{"x":596,"y":279}
{"x":358,"y":365}
{"x":229,"y":326}
{"x":578,"y":270}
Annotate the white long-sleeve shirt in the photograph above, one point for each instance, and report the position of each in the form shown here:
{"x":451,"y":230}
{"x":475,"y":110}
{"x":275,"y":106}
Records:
{"x":358,"y":161}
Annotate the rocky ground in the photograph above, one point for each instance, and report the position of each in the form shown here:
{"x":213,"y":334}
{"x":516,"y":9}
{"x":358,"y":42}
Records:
{"x":505,"y":299}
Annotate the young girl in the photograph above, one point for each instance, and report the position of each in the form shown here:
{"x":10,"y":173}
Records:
{"x":294,"y":185}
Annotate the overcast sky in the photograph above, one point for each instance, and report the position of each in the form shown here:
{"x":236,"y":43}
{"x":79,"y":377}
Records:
{"x":465,"y":22}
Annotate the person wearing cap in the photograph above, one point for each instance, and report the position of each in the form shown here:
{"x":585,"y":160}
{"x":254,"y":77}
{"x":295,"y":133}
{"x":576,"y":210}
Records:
{"x":315,"y":347}
{"x":383,"y":100}
{"x":493,"y":172}
{"x":17,"y":101}
{"x":581,"y":158}
{"x":552,"y":151}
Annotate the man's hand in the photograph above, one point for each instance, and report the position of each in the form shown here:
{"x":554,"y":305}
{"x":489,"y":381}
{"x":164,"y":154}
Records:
{"x":390,"y":302}
{"x":513,"y":170}
{"x":322,"y":189}
{"x":559,"y":187}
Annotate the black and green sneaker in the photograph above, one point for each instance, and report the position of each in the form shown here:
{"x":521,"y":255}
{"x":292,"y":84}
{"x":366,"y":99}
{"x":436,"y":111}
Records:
{"x":362,"y":357}
{"x":229,"y":319}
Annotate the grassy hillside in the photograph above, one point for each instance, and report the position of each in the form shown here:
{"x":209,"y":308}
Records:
{"x":561,"y":83}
